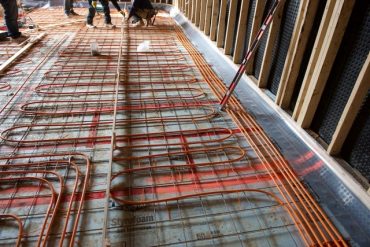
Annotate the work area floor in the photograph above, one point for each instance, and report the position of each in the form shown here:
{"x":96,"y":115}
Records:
{"x":127,"y":148}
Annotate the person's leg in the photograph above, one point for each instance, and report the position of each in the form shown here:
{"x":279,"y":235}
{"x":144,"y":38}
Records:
{"x":72,"y":10}
{"x":11,"y":17}
{"x":90,"y":16}
{"x":67,"y":6}
{"x":71,"y":5}
{"x":105,"y":4}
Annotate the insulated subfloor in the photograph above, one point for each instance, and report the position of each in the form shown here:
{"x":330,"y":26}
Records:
{"x":127,"y":149}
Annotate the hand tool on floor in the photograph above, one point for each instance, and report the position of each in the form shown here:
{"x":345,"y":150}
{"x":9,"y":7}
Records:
{"x":248,"y":55}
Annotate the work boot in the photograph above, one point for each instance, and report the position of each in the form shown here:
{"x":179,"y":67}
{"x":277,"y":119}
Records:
{"x":110,"y":25}
{"x":90,"y":26}
{"x":74,"y":13}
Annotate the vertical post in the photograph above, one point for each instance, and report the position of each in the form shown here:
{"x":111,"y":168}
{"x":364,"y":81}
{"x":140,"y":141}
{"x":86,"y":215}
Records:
{"x":221,"y":24}
{"x":207,"y":23}
{"x":197,"y":10}
{"x":326,"y":58}
{"x":242,"y":29}
{"x":230,"y":27}
{"x":193,"y":10}
{"x":183,"y":8}
{"x":257,"y":20}
{"x":267,"y":54}
{"x":298,"y":44}
{"x":323,"y":29}
{"x":214,"y":19}
{"x":352,"y":108}
{"x":202,"y":14}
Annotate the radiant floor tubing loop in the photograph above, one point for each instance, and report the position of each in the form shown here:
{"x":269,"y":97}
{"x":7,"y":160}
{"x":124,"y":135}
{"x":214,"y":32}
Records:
{"x":166,"y":94}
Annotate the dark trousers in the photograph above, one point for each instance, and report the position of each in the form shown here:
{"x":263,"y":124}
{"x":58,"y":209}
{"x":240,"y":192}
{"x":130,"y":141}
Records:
{"x":11,"y":17}
{"x":105,"y":4}
{"x":133,"y":16}
{"x":68,"y":6}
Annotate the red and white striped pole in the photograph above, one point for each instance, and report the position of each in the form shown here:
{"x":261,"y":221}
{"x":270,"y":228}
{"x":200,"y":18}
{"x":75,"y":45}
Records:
{"x":248,"y":55}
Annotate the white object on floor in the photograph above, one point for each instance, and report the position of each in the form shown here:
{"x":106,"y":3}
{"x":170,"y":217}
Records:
{"x":144,"y":46}
{"x":94,"y":48}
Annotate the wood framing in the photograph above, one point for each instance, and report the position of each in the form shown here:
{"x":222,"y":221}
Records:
{"x":183,"y":6}
{"x":240,"y":35}
{"x":207,"y":22}
{"x":256,"y":25}
{"x":192,"y":6}
{"x":188,"y":8}
{"x":328,"y":13}
{"x":352,"y":108}
{"x":337,"y":26}
{"x":229,"y":40}
{"x":297,"y":47}
{"x":193,"y":10}
{"x":197,"y":12}
{"x":214,"y":19}
{"x":272,"y":35}
{"x":221,"y":24}
{"x":202,"y":14}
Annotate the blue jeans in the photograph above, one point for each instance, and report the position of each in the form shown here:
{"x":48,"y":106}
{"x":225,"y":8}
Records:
{"x":68,"y":5}
{"x":105,"y":4}
{"x":11,"y":17}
